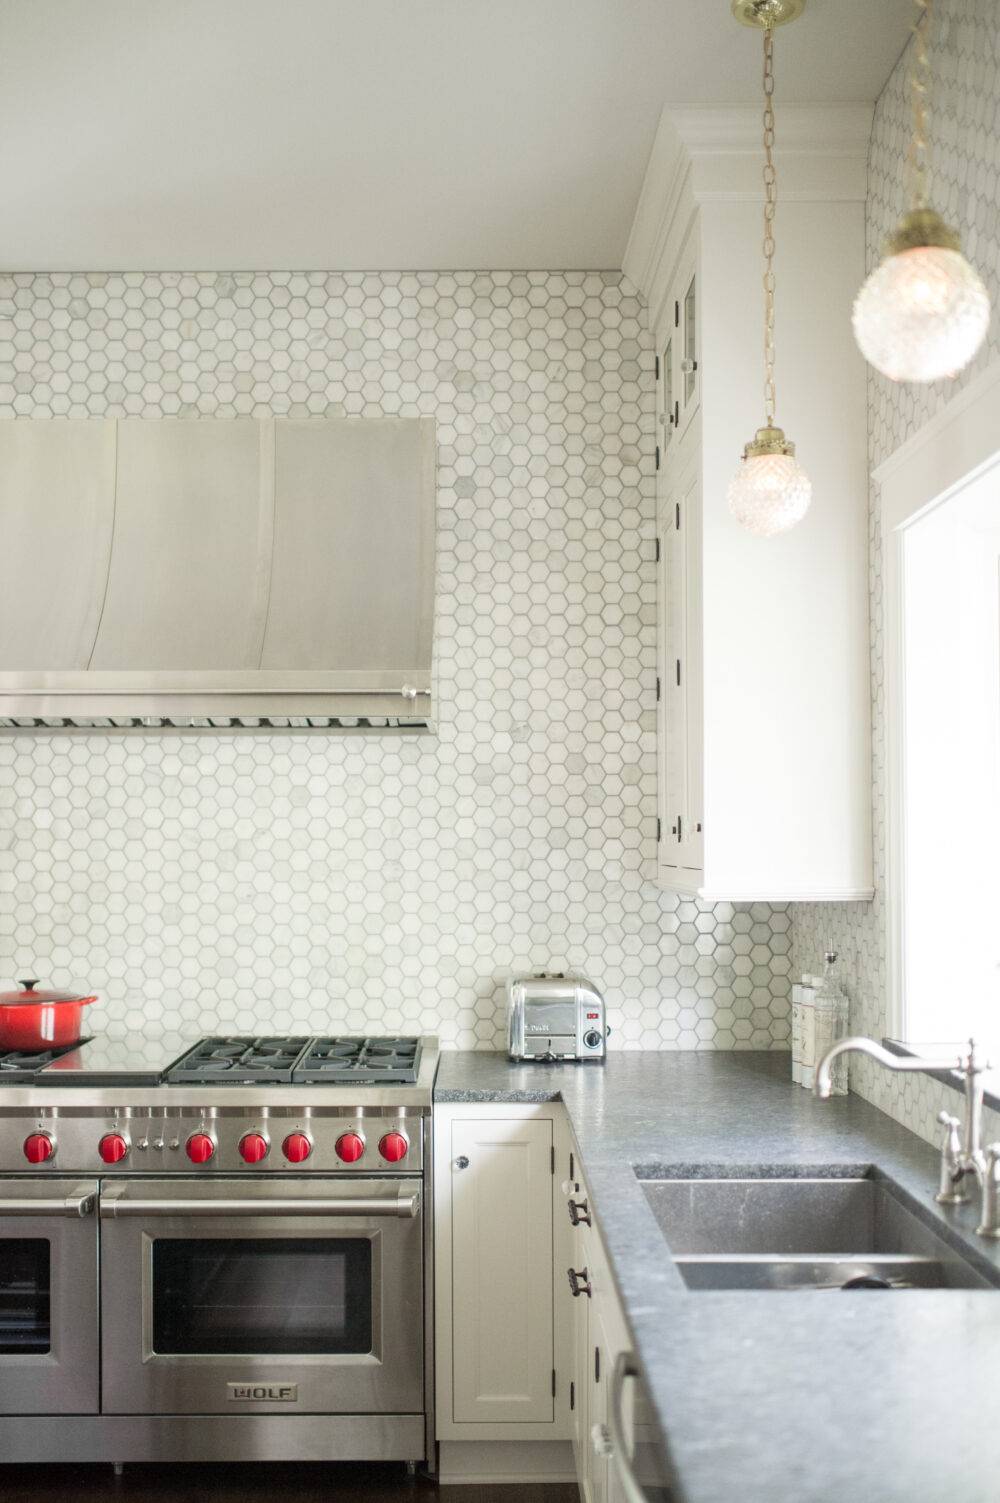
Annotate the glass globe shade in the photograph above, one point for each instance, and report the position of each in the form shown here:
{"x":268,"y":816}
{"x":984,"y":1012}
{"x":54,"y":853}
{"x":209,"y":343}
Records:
{"x":922,"y":314}
{"x":769,"y":493}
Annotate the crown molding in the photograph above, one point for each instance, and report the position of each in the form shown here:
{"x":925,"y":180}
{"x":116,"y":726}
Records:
{"x":713,"y":153}
{"x":735,"y":129}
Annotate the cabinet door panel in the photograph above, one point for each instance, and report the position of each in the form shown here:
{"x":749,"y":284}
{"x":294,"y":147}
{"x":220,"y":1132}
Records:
{"x":502,"y":1271}
{"x":689,"y":546}
{"x":674,"y":688}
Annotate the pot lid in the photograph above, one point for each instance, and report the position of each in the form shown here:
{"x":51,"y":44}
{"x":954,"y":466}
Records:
{"x":29,"y":997}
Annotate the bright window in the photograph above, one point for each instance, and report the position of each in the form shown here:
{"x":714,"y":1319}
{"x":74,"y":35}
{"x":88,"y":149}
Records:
{"x":948,"y":765}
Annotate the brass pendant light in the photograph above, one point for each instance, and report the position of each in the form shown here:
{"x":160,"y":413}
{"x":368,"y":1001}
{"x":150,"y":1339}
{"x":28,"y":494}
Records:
{"x":923,"y":313}
{"x":770,"y":491}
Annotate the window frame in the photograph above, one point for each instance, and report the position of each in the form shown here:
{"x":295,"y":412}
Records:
{"x":956,"y":447}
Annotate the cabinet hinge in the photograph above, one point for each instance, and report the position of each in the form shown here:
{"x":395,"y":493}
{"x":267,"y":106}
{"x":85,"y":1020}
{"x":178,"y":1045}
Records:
{"x":572,"y":1165}
{"x":677,"y":314}
{"x":680,"y":829}
{"x":677,"y":516}
{"x":597,"y":1364}
{"x":659,"y":827}
{"x":657,"y":367}
{"x":657,"y":688}
{"x":678,"y":673}
{"x":552,"y":1159}
{"x":572,"y":1395}
{"x":656,"y":556}
{"x":657,"y":456}
{"x":553,"y":1382}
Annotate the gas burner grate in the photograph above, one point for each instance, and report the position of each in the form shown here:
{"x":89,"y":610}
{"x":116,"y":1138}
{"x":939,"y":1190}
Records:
{"x":238,"y":1061}
{"x":298,"y":1061}
{"x":18,"y":1065}
{"x":360,"y":1061}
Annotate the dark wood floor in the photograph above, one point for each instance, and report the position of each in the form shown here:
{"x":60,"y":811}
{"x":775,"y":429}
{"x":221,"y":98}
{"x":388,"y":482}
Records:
{"x":262,"y":1482}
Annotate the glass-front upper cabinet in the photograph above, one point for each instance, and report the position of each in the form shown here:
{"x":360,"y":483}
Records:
{"x":687,"y":337}
{"x":679,"y":358}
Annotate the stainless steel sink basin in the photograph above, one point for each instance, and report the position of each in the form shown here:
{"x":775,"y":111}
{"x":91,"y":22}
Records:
{"x":784,"y":1234}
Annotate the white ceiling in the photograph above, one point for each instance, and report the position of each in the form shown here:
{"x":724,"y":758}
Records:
{"x":396,"y":134}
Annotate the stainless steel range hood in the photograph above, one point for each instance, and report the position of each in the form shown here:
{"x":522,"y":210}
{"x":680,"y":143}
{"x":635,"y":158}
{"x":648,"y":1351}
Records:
{"x":194,"y":573}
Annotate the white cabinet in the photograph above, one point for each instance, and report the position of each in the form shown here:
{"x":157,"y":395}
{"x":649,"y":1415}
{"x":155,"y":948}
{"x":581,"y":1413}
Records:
{"x":600,"y":1335}
{"x":764,"y":767}
{"x":681,"y":784}
{"x":496,"y":1345}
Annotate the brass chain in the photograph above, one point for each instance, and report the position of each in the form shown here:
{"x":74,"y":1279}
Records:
{"x":920,"y":85}
{"x":770,"y":204}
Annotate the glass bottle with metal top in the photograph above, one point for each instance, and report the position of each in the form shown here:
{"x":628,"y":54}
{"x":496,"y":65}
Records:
{"x":831,"y":1013}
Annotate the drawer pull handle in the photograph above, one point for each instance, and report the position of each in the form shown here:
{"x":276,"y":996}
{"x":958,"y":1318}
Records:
{"x":579,"y":1213}
{"x":579,"y":1283}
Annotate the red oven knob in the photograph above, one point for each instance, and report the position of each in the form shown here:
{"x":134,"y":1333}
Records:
{"x":296,"y":1148}
{"x":200,"y":1148}
{"x":112,"y":1148}
{"x":253,"y":1147}
{"x":38,"y":1147}
{"x":350,"y":1147}
{"x":393,"y":1147}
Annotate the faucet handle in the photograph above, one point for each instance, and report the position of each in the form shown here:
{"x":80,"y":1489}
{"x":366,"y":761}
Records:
{"x":951,"y":1190}
{"x":989,"y":1219}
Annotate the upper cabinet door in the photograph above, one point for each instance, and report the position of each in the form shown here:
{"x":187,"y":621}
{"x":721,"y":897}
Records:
{"x":687,"y":340}
{"x":188,"y":583}
{"x":665,"y":410}
{"x":354,"y":521}
{"x":57,"y":502}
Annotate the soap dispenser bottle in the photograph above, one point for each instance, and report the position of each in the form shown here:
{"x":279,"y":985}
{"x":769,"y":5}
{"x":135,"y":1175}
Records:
{"x":831,"y":1013}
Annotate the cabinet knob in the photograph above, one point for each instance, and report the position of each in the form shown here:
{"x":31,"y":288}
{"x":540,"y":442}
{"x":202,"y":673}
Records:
{"x":461,"y":1162}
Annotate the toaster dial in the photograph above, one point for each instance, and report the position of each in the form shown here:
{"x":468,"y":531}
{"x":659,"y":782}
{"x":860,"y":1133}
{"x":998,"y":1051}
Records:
{"x":592,"y":1038}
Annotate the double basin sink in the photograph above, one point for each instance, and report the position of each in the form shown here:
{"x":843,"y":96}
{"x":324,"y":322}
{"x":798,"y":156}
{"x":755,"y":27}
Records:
{"x":817,"y":1233}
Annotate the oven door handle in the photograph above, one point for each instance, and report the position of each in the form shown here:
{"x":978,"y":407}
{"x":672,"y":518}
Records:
{"x":118,"y":1202}
{"x":79,"y":1203}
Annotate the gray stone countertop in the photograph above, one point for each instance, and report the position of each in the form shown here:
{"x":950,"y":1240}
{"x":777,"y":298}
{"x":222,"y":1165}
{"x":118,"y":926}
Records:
{"x":775,"y":1398}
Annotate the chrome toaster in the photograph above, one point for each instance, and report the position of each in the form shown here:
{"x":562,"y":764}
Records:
{"x":555,"y":1016}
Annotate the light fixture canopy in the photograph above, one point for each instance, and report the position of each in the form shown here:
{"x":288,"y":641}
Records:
{"x":770,"y":491}
{"x":924,"y":311}
{"x":766,"y":14}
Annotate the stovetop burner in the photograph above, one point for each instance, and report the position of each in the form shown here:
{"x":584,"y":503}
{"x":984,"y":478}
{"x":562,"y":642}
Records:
{"x":298,"y":1061}
{"x":369,"y":1061}
{"x":19,"y":1066}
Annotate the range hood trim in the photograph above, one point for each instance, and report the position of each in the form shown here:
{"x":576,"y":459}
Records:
{"x":188,"y":698}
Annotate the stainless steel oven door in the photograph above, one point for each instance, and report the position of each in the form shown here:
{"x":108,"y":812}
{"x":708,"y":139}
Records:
{"x":49,"y":1346}
{"x":241,"y":1297}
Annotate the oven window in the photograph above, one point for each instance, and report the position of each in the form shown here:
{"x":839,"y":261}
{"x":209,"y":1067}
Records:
{"x":281,"y":1295}
{"x":25,"y":1285}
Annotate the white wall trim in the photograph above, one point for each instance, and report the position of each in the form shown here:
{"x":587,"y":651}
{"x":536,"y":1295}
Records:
{"x":954,"y":447}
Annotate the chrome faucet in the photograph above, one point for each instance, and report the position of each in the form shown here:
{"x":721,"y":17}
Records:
{"x":962,"y":1151}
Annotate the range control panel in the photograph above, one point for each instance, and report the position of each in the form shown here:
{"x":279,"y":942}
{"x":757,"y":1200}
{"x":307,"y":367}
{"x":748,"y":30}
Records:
{"x":202,"y":1142}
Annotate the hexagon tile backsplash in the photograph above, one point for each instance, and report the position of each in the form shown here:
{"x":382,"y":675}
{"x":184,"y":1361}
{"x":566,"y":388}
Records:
{"x":330,"y":882}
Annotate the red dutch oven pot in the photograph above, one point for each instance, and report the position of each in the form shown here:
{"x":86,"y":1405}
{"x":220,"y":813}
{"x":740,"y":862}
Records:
{"x":40,"y":1020}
